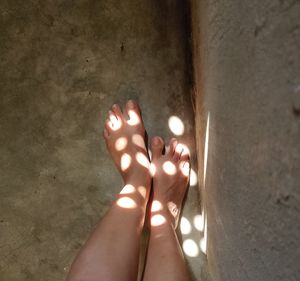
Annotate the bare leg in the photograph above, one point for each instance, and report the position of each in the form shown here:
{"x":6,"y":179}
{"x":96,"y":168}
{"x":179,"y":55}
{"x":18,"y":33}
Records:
{"x":171,"y":172}
{"x":112,"y":251}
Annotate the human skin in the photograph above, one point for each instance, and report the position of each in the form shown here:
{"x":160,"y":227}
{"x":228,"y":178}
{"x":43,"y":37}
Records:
{"x":165,"y":260}
{"x":112,"y":250}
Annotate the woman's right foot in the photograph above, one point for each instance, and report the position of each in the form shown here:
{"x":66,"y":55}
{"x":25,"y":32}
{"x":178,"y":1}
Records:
{"x":170,"y":173}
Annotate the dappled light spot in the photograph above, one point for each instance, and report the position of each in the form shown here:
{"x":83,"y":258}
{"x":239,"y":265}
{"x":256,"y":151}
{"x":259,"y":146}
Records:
{"x":203,"y":241}
{"x":134,"y":119}
{"x":121,"y":143}
{"x":142,"y":159}
{"x":110,"y":124}
{"x":193,"y":178}
{"x":185,"y":168}
{"x":203,"y":245}
{"x":185,"y":226}
{"x":128,"y":189}
{"x":169,"y":168}
{"x":190,"y":248}
{"x":182,"y":149}
{"x":152,"y":169}
{"x":138,"y":140}
{"x":157,"y":220}
{"x":125,"y":161}
{"x":206,"y":148}
{"x":115,"y":124}
{"x":156,"y":206}
{"x":126,"y":202}
{"x":176,"y":125}
{"x":142,"y":190}
{"x":199,"y":222}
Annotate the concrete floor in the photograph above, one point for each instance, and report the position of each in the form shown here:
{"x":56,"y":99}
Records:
{"x":63,"y":64}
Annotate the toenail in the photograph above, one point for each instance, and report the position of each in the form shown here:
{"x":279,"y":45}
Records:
{"x":156,"y":141}
{"x":174,"y":141}
{"x":131,"y":104}
{"x":115,"y":106}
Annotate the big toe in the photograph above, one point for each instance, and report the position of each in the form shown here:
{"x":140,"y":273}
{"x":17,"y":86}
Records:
{"x":157,"y":146}
{"x":117,"y":111}
{"x":134,"y":113}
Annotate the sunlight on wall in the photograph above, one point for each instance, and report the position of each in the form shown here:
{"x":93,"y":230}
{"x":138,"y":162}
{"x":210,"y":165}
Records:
{"x":125,"y":161}
{"x":185,"y":226}
{"x":203,"y":241}
{"x":190,"y":248}
{"x":206,"y":148}
{"x":202,"y":219}
{"x":176,"y":125}
{"x":169,"y":168}
{"x":121,"y":143}
{"x":193,"y":178}
{"x":199,"y":222}
{"x":126,"y":202}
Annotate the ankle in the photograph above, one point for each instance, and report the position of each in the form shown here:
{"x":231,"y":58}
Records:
{"x":138,"y":189}
{"x":164,"y":213}
{"x":139,"y":179}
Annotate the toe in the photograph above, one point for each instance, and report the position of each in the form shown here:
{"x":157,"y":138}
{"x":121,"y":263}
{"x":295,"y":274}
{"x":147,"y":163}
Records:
{"x":105,"y":133}
{"x":185,"y":152}
{"x":118,"y":112}
{"x":108,"y":126}
{"x":181,"y":152}
{"x":116,"y":123}
{"x":157,"y":146}
{"x":172,"y":146}
{"x":134,"y":113}
{"x":185,"y":167}
{"x":178,"y":152}
{"x":111,"y":116}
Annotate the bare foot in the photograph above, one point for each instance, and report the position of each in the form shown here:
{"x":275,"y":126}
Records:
{"x":125,"y":140}
{"x":170,"y":179}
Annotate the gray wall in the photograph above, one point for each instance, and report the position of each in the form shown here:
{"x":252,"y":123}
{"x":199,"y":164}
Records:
{"x":247,"y":77}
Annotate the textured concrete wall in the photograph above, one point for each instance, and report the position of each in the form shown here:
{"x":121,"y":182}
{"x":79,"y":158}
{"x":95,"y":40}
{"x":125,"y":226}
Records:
{"x":247,"y":78}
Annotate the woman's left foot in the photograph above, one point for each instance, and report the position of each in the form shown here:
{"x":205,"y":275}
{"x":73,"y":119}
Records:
{"x":125,"y":141}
